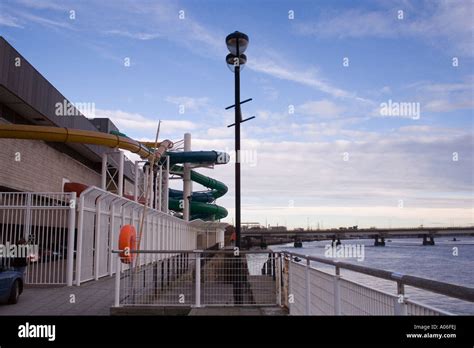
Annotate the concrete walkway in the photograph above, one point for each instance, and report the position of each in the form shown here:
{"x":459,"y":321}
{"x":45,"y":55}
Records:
{"x":238,"y":311}
{"x":92,"y":298}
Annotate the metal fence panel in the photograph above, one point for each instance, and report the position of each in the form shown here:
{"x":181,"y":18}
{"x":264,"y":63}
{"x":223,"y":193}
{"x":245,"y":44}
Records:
{"x":43,"y":220}
{"x":361,"y":300}
{"x":208,"y":278}
{"x":167,"y":282}
{"x":104,"y":214}
{"x":322,"y":289}
{"x":314,"y":292}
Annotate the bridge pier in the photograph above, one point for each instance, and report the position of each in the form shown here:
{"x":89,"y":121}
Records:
{"x":428,"y":240}
{"x":379,"y":241}
{"x":298,"y":243}
{"x":248,"y":242}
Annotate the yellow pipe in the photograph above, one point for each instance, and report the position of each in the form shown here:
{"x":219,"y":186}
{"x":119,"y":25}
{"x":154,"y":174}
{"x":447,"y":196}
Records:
{"x":67,"y":135}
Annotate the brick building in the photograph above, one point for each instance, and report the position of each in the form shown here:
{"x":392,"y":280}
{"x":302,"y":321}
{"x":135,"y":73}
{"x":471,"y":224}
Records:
{"x":26,"y":97}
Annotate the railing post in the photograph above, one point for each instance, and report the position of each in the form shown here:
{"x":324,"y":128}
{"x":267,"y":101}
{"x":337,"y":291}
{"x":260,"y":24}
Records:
{"x":98,"y":219}
{"x":103,"y":184}
{"x":111,"y":235}
{"x":280,"y":276}
{"x":120,"y":174}
{"x":337,"y":295}
{"x":289,"y":294}
{"x":80,"y":228}
{"x":198,"y":279}
{"x":135,"y":184}
{"x":160,"y":185}
{"x":28,"y":217}
{"x":308,"y":290}
{"x":71,"y":238}
{"x":400,"y":307}
{"x":117,"y":281}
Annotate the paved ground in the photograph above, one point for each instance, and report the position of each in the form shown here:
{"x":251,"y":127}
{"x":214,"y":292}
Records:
{"x":92,"y":298}
{"x":96,"y":297}
{"x":238,"y":311}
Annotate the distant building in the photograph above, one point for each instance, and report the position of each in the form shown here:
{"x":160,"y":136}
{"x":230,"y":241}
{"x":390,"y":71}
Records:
{"x":277,"y":228}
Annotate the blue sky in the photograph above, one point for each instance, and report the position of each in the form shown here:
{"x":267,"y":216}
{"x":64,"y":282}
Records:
{"x":334,"y":161}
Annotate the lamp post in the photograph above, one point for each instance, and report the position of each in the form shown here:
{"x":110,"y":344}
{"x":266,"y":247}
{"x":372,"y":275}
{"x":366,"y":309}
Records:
{"x":237,"y":43}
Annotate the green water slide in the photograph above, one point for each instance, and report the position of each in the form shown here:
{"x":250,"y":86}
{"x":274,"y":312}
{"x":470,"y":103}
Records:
{"x":201,"y":206}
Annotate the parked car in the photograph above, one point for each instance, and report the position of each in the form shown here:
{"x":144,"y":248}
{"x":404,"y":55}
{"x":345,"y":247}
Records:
{"x":11,"y":284}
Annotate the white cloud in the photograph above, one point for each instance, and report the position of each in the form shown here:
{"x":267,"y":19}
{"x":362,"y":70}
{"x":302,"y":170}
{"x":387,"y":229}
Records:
{"x":352,"y":23}
{"x":441,"y":23}
{"x":307,"y":78}
{"x":322,"y":108}
{"x":445,"y":97}
{"x":446,"y":105}
{"x":132,"y":122}
{"x":413,"y":164}
{"x":46,"y":5}
{"x":9,"y":21}
{"x":189,"y":103}
{"x":139,"y":36}
{"x":46,"y":22}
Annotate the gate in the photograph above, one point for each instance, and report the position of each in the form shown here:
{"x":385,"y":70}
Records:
{"x":46,"y":222}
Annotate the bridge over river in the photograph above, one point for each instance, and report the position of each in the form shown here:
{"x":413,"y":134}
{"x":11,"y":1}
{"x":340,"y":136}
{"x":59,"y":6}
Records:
{"x":427,"y":234}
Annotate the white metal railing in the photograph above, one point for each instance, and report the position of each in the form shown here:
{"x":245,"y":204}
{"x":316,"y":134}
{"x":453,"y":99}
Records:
{"x":199,"y":278}
{"x":309,"y":291}
{"x":101,"y":215}
{"x":64,"y":256}
{"x":46,"y":221}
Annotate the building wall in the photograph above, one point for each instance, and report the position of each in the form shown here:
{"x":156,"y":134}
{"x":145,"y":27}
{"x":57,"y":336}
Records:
{"x":128,"y":187}
{"x":40,"y":167}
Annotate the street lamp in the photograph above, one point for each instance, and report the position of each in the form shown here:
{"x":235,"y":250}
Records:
{"x":237,"y":43}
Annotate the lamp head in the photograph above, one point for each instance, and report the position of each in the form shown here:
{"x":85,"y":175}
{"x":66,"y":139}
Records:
{"x":232,"y":61}
{"x":237,"y":37}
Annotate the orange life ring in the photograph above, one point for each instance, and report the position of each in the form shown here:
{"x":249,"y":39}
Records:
{"x":127,"y":242}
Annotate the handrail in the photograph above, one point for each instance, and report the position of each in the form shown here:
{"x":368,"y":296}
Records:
{"x":451,"y":290}
{"x":242,"y":252}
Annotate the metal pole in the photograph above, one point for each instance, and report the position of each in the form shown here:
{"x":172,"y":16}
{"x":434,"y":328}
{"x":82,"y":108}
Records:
{"x":135,"y":186}
{"x":120,"y":174}
{"x":400,"y":307}
{"x":111,"y":236}
{"x":186,"y":180}
{"x":150,"y":185}
{"x":198,"y":280}
{"x":307,"y":288}
{"x":156,"y":190}
{"x":280,"y":277}
{"x":160,"y":195}
{"x":71,"y":237}
{"x":117,"y":281}
{"x":337,"y":293}
{"x":98,"y":219}
{"x":237,"y":149}
{"x":80,"y":227}
{"x":165,"y":201}
{"x":104,"y":172}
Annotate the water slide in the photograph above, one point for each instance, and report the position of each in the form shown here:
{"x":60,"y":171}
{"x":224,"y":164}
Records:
{"x":68,"y":135}
{"x":201,"y":201}
{"x":201,"y":206}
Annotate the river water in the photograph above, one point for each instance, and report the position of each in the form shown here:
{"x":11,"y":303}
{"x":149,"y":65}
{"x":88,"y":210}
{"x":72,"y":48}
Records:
{"x":448,"y":261}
